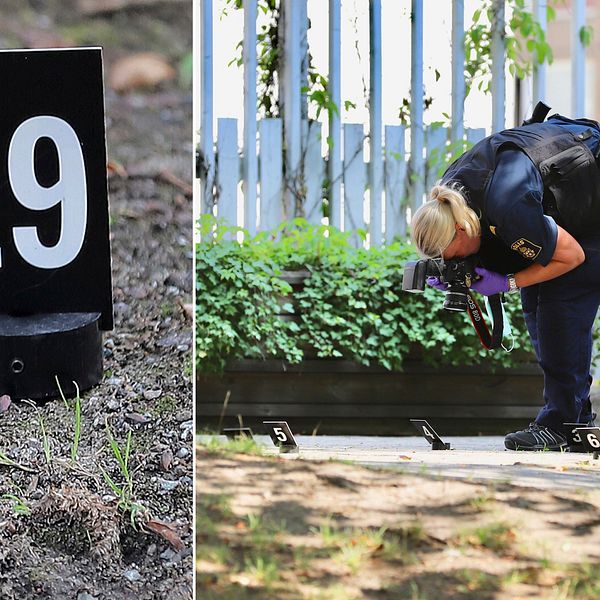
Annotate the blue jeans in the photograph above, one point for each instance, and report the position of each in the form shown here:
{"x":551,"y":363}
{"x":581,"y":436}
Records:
{"x":560,"y":315}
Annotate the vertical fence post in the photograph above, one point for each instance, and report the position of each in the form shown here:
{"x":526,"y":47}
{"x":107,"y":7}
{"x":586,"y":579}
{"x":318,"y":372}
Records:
{"x":250,"y":162}
{"x":395,"y":179}
{"x":303,"y":14}
{"x":207,"y":171}
{"x":227,"y":175}
{"x":354,"y":180}
{"x":313,"y":173}
{"x":271,"y":173}
{"x":375,"y":113}
{"x":334,"y":166}
{"x":292,"y":59}
{"x":498,"y":60}
{"x":417,"y":167}
{"x":540,"y":11}
{"x":435,"y":147}
{"x":196,"y":109}
{"x":578,"y":60}
{"x":458,"y":71}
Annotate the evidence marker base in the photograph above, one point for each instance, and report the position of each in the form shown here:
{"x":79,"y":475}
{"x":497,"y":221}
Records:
{"x":37,"y":349}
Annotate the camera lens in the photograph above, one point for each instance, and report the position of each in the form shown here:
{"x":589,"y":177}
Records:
{"x":455,"y":301}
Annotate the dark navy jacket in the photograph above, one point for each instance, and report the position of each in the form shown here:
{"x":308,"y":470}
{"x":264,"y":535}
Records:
{"x":523,"y":181}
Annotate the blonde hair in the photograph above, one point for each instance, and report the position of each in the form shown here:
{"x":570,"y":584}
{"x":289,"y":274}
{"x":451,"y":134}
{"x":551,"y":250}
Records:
{"x":433,"y":224}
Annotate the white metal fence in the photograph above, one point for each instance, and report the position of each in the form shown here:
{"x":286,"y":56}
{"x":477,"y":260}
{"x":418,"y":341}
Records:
{"x":307,"y":190}
{"x":373,"y":195}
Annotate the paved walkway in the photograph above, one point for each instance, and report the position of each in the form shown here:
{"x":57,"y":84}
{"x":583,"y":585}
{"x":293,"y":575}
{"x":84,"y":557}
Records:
{"x":475,"y":458}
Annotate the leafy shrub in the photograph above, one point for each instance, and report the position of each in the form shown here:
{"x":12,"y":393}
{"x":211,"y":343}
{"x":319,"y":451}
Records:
{"x":350,"y":306}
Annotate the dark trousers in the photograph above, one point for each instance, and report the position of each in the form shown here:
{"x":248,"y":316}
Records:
{"x":560,"y":315}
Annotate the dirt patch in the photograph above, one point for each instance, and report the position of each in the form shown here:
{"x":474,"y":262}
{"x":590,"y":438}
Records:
{"x":101,"y":507}
{"x":77,"y":522}
{"x":291,"y":529}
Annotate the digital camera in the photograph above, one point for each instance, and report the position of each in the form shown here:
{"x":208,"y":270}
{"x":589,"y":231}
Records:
{"x":458,"y":273}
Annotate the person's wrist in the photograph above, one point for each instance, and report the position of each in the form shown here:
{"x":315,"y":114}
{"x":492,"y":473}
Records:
{"x":512,"y":283}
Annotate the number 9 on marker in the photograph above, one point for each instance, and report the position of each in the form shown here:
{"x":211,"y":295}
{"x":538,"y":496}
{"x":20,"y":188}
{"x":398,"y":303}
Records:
{"x":54,"y":232}
{"x":69,"y":191}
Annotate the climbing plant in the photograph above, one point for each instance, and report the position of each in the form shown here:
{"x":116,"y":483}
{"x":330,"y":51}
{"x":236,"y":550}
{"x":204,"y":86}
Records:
{"x":525,"y":42}
{"x":267,"y":57}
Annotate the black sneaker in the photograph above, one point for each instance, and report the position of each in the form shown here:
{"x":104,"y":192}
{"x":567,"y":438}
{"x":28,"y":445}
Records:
{"x":535,"y":437}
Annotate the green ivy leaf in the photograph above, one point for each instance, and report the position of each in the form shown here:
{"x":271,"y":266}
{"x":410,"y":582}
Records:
{"x":585,"y":35}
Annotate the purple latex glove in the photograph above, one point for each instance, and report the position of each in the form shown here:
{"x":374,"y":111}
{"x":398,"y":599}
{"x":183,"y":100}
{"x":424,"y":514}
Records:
{"x":436,"y":283}
{"x":490,"y":283}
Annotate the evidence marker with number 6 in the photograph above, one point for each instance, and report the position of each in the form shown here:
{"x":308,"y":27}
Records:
{"x":55,"y":263}
{"x":590,"y":439}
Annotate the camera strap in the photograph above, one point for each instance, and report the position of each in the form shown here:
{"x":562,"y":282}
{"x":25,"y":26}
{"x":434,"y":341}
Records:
{"x":493,"y":340}
{"x":507,"y":332}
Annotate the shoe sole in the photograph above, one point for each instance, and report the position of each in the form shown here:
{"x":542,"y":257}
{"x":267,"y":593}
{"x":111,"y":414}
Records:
{"x":509,"y":445}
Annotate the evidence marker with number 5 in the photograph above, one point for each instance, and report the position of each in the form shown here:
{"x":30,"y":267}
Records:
{"x":281,"y":435}
{"x":55,"y":264}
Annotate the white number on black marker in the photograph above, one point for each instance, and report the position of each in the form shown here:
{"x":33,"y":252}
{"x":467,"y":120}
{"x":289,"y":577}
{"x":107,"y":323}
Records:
{"x":427,"y":432}
{"x":593,"y":440}
{"x":576,"y":436}
{"x":70,"y":191}
{"x":280,"y":434}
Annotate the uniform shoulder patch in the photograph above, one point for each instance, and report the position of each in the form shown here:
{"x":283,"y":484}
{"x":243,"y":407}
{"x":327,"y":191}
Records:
{"x":526,"y":248}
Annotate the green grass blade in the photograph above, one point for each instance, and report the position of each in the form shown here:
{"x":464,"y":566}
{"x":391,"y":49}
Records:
{"x":77,"y":435}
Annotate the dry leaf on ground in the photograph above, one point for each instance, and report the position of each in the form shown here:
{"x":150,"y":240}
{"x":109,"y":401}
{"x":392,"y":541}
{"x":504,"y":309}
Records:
{"x":140,"y":70}
{"x":165,"y":531}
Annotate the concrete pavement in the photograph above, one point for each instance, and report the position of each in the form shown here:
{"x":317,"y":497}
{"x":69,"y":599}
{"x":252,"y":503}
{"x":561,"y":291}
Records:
{"x":473,"y":458}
